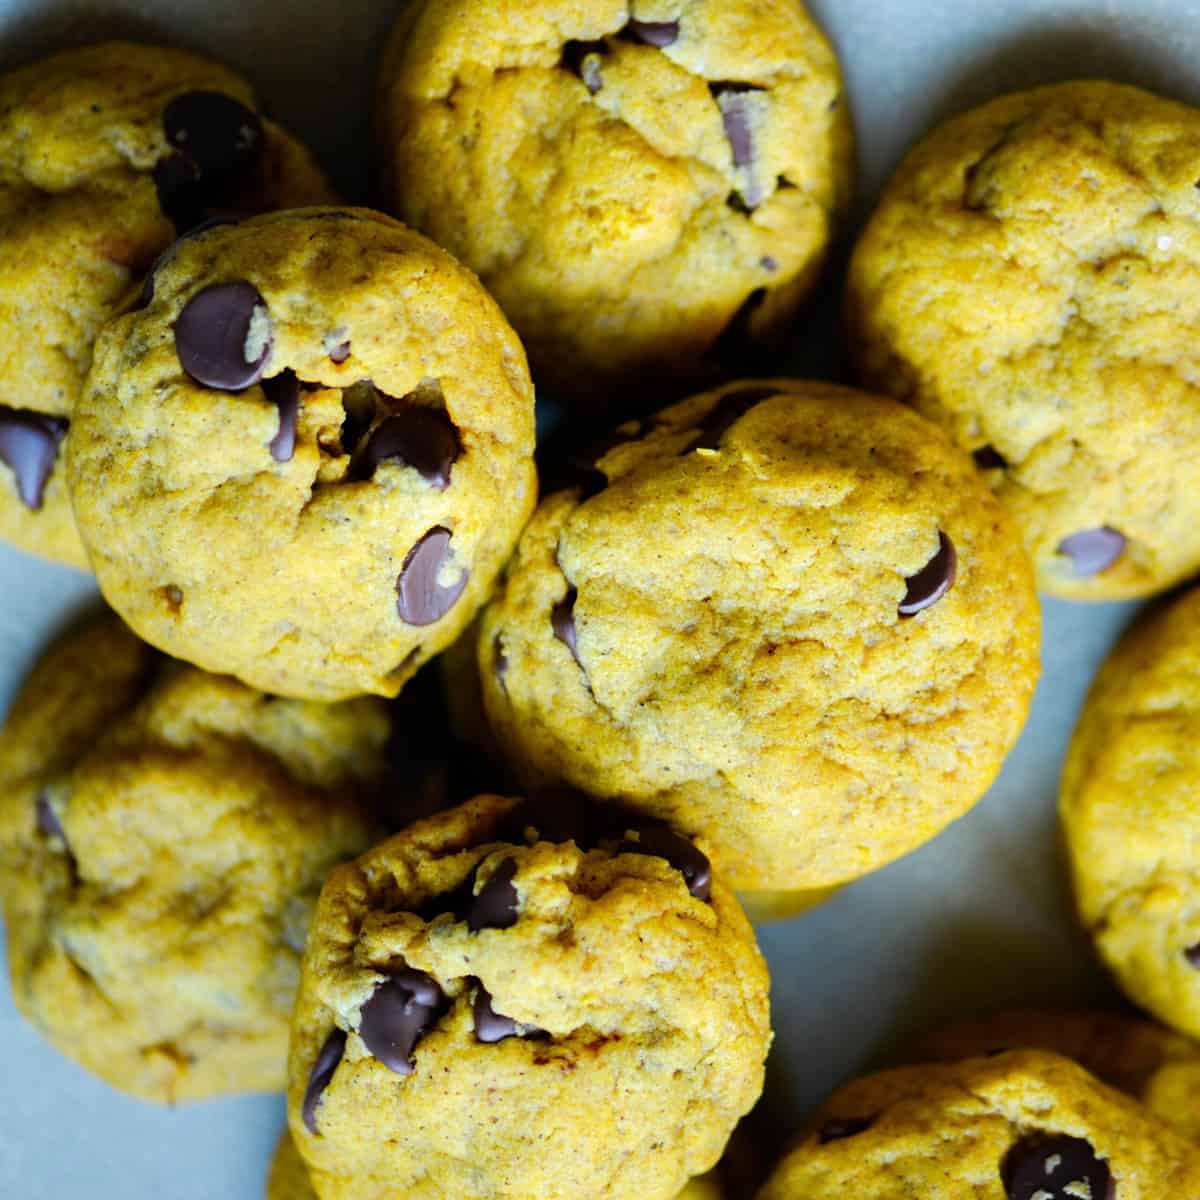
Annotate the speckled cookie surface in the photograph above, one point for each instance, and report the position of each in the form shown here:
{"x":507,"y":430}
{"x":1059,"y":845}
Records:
{"x":1128,"y":805}
{"x":645,"y":187}
{"x":97,"y":176}
{"x":1156,"y":1066}
{"x":1031,"y":280}
{"x":163,"y":837}
{"x":784,"y":615}
{"x":474,"y":998}
{"x":1024,"y":1125}
{"x":304,"y":461}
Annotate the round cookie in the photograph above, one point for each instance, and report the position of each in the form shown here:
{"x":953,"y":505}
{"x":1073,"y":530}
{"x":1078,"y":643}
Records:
{"x":1024,"y":1125}
{"x":1156,"y":1066}
{"x":784,"y":615}
{"x":1031,"y":281}
{"x":1128,"y":807}
{"x":477,"y":990}
{"x":163,"y":837}
{"x":649,"y":188}
{"x":106,"y":154}
{"x":304,"y":459}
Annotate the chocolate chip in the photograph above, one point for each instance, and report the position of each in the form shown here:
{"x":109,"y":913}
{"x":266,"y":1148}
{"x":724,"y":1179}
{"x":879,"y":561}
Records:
{"x":932,"y":581}
{"x":283,"y":390}
{"x":420,"y":598}
{"x":223,"y":336}
{"x":1055,"y":1167}
{"x":1093,"y":550}
{"x":214,"y":131}
{"x":147,"y":293}
{"x":726,"y":413}
{"x":562,"y":621}
{"x":731,"y":100}
{"x":29,"y":444}
{"x":768,"y":263}
{"x":339,"y":353}
{"x":988,"y":458}
{"x":583,"y":60}
{"x":401,"y":1010}
{"x":837,"y":1128}
{"x":418,"y":437}
{"x":736,"y":342}
{"x":653,"y":33}
{"x":496,"y":905}
{"x":181,"y":196}
{"x":491,"y":1026}
{"x":680,"y":852}
{"x":47,"y":819}
{"x":1192,"y":954}
{"x":322,"y":1072}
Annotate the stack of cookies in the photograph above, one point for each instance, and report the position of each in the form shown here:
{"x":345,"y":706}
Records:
{"x":736,"y":640}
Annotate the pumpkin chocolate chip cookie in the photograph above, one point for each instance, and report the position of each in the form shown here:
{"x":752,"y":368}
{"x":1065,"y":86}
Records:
{"x":1031,"y":281}
{"x":648,"y":187}
{"x":163,"y":837}
{"x":302,"y":458}
{"x":784,"y":615}
{"x":511,"y":1000}
{"x":106,"y":154}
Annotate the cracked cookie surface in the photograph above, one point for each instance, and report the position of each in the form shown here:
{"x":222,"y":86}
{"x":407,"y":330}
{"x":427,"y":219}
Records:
{"x":784,"y":615}
{"x":163,"y":837}
{"x":97,"y":177}
{"x":1029,"y":280}
{"x":1128,"y":805}
{"x":304,"y":459}
{"x":632,"y":181}
{"x":479,"y":989}
{"x":1023,"y":1125}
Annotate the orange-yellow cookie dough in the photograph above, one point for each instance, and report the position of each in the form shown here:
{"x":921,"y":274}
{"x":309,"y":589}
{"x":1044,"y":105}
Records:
{"x":784,"y":615}
{"x":163,"y":837}
{"x":1031,"y":281}
{"x":649,"y":188}
{"x":106,"y":153}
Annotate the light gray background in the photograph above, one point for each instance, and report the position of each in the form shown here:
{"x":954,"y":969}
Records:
{"x":977,"y":919}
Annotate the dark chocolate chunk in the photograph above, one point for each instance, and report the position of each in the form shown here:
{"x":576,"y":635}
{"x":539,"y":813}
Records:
{"x":1093,"y":550}
{"x":653,"y":33}
{"x":283,"y":390}
{"x":214,"y":131}
{"x":988,"y":458}
{"x":182,"y":197}
{"x":562,"y":621}
{"x":491,"y":1026}
{"x":223,"y":337}
{"x":415,"y":436}
{"x":680,"y":852}
{"x":47,"y":819}
{"x":583,"y":60}
{"x":496,"y":905}
{"x":401,"y":1010}
{"x":1055,"y":1167}
{"x":837,"y":1128}
{"x":322,"y":1072}
{"x":29,"y":444}
{"x":1192,"y":954}
{"x":932,"y":581}
{"x":736,"y":118}
{"x":420,"y":598}
{"x":726,"y":413}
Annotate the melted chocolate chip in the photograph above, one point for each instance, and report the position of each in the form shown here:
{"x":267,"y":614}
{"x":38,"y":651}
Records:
{"x":496,"y":905}
{"x":213,"y":131}
{"x":731,"y":100}
{"x":1192,"y":954}
{"x":182,"y":198}
{"x":583,"y":60}
{"x":29,"y":444}
{"x":1055,"y":1167}
{"x":47,"y":819}
{"x":680,"y":852}
{"x":726,"y":413}
{"x":562,"y":621}
{"x":932,"y":581}
{"x":837,"y":1128}
{"x":1092,"y":550}
{"x":418,"y":437}
{"x":491,"y":1026}
{"x":223,"y":337}
{"x":988,"y":458}
{"x":653,"y":33}
{"x":420,"y":598}
{"x":322,"y":1072}
{"x":283,"y":390}
{"x":401,"y":1010}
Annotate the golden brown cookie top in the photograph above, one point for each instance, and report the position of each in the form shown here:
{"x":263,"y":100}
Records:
{"x":1029,"y":281}
{"x":324,"y":426}
{"x":473,"y":987}
{"x":629,"y":179}
{"x":1025,"y":1125}
{"x":785,"y":615}
{"x":163,"y":835}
